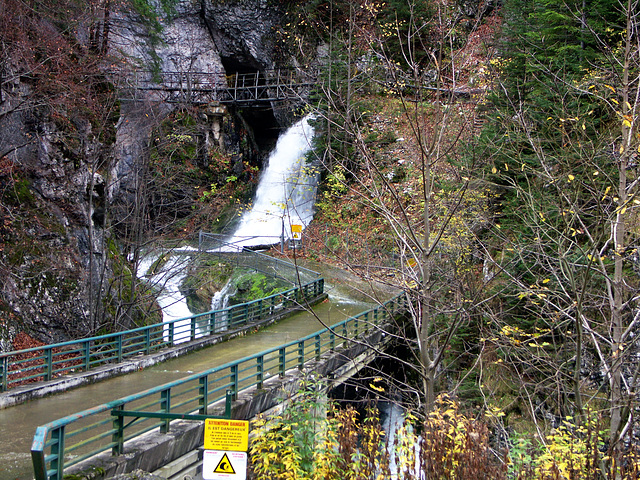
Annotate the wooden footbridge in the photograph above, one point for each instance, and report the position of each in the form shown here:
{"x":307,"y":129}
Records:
{"x":218,"y":87}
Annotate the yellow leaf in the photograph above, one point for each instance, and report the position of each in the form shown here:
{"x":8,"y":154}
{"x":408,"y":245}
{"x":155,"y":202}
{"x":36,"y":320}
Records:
{"x":626,"y":123}
{"x":546,"y":280}
{"x":571,"y":178}
{"x":611,"y":88}
{"x":596,"y":173}
{"x":494,"y":170}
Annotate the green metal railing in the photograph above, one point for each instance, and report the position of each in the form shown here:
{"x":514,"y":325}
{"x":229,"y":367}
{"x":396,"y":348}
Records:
{"x":72,"y":439}
{"x":51,"y":361}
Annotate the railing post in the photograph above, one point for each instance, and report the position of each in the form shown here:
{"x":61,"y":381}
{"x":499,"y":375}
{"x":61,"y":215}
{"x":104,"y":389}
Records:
{"x":227,"y":404}
{"x":48,"y":353}
{"x":193,"y":328}
{"x":119,"y":337}
{"x":212,"y":323}
{"x":300,"y":355}
{"x":318,"y":347}
{"x":260,"y":371}
{"x":203,"y":394}
{"x":235,"y":382}
{"x":165,"y":407}
{"x":332,"y":340}
{"x":367,"y":327}
{"x":57,"y":453}
{"x":38,"y":456}
{"x":4,"y":373}
{"x":117,"y":437}
{"x":282,"y":361}
{"x":87,"y":355}
{"x":171,"y":333}
{"x":147,"y":341}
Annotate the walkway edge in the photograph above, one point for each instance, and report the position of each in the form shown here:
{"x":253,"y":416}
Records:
{"x":19,"y":395}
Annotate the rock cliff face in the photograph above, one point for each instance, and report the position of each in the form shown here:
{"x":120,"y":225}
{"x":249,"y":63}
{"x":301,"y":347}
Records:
{"x":68,"y":180}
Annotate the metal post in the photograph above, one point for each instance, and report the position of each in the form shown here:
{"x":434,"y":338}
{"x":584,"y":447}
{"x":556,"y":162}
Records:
{"x":57,"y":452}
{"x":212,"y":323}
{"x":235,"y":383}
{"x":165,"y":407}
{"x":87,"y":355}
{"x":48,"y":352}
{"x":4,"y":373}
{"x":282,"y":237}
{"x":282,"y":361}
{"x":117,"y":437}
{"x":193,"y":328}
{"x":147,"y":341}
{"x":318,"y":347}
{"x":171,"y":332}
{"x":300,"y":355}
{"x":119,"y":348}
{"x":203,"y":393}
{"x":227,"y":404}
{"x":260,"y":371}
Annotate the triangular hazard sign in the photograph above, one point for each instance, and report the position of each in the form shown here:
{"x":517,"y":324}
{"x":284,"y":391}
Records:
{"x":224,"y":466}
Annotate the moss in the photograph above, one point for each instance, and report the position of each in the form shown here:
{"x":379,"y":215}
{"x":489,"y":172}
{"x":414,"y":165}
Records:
{"x":255,"y":285}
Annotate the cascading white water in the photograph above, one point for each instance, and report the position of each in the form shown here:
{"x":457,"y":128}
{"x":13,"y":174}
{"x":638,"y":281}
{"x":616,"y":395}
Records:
{"x":285,"y":197}
{"x":172,"y":303}
{"x":286,"y":191}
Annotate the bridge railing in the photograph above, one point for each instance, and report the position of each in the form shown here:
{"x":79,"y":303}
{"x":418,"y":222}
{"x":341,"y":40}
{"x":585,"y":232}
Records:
{"x":217,"y":245}
{"x":70,"y":440}
{"x":265,"y":85}
{"x":54,"y":360}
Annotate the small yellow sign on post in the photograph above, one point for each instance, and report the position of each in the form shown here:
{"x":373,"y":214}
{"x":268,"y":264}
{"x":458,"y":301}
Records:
{"x":296,"y":231}
{"x":227,"y":435}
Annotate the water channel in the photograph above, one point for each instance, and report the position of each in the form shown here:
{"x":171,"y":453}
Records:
{"x":18,"y":423}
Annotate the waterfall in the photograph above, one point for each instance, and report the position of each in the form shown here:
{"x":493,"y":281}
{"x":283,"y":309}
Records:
{"x":171,"y":301}
{"x":286,"y":191}
{"x":220,"y":301}
{"x":285,"y":197}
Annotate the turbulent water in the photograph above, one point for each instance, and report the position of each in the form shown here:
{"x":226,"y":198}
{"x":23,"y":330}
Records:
{"x":286,"y":191}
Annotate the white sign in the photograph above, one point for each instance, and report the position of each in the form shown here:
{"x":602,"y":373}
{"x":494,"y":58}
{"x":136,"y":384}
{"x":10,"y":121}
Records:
{"x":221,"y":465}
{"x":296,"y":232}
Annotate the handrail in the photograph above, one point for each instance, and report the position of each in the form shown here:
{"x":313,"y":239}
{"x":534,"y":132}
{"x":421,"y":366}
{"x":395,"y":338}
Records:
{"x":96,"y":432}
{"x":86,"y":354}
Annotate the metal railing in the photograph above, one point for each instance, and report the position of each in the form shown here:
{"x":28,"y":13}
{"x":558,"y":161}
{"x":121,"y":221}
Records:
{"x":217,"y":245}
{"x":65,"y":442}
{"x":51,"y":361}
{"x":205,"y":87}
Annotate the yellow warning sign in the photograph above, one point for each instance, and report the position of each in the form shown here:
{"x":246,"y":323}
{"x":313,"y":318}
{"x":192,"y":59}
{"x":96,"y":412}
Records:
{"x":224,"y":466}
{"x":227,"y":435}
{"x":296,"y":231}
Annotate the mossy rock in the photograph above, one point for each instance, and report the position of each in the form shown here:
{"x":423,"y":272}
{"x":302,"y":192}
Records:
{"x":254,"y":286}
